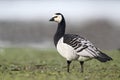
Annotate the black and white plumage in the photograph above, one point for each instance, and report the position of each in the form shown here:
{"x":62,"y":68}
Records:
{"x":74,"y":47}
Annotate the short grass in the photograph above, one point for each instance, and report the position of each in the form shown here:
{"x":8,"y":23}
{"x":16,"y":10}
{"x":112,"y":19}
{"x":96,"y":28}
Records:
{"x":34,"y":64}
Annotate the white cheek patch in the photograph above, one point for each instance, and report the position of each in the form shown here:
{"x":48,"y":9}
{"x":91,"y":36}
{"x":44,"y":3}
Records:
{"x":58,"y":18}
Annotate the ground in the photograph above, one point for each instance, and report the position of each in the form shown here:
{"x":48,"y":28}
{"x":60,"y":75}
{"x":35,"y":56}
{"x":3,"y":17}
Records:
{"x":38,"y":64}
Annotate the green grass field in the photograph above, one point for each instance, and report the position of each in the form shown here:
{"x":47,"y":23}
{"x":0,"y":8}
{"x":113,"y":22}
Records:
{"x":34,"y":64}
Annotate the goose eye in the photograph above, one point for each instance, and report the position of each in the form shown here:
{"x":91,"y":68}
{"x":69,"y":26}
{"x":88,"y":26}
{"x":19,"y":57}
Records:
{"x":55,"y":16}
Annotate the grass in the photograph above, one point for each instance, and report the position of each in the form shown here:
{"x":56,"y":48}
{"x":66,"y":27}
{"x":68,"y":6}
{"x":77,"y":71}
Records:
{"x":34,"y":64}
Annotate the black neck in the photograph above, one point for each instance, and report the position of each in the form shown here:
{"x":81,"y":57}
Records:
{"x":60,"y":31}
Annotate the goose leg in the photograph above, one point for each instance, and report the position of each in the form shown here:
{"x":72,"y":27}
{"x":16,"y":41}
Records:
{"x":68,"y":65}
{"x":82,"y":68}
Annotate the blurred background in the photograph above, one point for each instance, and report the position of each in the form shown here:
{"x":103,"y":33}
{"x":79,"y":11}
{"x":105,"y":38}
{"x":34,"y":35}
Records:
{"x":25,"y":23}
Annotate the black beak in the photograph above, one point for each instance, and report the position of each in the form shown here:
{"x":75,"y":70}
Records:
{"x":52,"y":19}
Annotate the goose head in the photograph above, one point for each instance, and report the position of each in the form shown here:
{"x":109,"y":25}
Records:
{"x":57,"y":17}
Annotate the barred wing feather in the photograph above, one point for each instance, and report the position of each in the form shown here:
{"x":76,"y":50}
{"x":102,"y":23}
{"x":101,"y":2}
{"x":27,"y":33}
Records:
{"x":84,"y":47}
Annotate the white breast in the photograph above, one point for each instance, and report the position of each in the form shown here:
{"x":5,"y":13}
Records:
{"x":66,"y":51}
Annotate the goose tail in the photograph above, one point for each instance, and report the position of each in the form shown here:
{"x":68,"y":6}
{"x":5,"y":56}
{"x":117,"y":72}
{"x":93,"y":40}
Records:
{"x":102,"y":57}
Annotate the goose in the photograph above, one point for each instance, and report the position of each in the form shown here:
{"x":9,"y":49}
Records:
{"x":75,"y":47}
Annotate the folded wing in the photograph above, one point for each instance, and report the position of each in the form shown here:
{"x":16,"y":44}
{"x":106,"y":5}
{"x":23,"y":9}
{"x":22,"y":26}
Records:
{"x":84,"y":47}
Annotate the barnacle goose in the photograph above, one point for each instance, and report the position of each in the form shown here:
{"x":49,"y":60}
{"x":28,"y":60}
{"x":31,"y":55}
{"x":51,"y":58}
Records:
{"x":74,"y":47}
